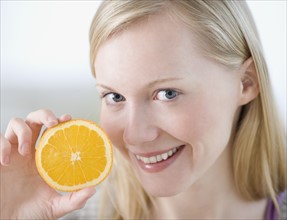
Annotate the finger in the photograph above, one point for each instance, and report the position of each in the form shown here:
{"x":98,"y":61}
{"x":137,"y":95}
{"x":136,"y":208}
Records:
{"x":72,"y":201}
{"x":5,"y":151}
{"x":37,"y":119}
{"x":41,"y":117}
{"x":65,"y":117}
{"x":19,"y":133}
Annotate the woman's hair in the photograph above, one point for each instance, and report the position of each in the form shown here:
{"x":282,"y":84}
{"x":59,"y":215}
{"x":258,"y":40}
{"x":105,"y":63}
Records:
{"x":226,"y":33}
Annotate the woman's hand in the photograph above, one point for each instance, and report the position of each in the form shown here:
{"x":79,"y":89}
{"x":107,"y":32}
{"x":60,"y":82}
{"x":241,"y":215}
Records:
{"x":24,"y":195}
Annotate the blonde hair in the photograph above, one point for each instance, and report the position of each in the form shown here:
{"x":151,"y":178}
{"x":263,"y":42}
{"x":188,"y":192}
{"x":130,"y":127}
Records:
{"x":227,"y":33}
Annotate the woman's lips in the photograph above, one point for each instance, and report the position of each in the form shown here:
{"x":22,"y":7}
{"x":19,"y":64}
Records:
{"x":158,"y":162}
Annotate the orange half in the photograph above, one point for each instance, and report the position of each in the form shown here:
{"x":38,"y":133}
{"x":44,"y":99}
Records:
{"x":74,"y":155}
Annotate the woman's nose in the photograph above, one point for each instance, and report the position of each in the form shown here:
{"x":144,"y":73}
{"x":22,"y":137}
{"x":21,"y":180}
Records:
{"x":140,"y":126}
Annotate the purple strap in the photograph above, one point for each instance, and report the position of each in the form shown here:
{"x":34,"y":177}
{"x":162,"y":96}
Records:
{"x":271,"y":212}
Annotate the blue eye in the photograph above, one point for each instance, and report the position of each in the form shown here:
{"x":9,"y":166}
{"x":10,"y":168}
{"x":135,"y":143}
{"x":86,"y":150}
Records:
{"x":166,"y":95}
{"x":112,"y":98}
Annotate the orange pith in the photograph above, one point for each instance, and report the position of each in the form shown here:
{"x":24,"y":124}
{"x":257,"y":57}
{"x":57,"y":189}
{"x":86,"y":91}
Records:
{"x":74,"y":155}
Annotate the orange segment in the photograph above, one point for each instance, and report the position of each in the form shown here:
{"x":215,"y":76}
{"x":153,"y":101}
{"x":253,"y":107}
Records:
{"x":73,"y":155}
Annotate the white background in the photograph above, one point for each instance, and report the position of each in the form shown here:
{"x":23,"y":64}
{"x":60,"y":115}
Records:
{"x":45,"y":56}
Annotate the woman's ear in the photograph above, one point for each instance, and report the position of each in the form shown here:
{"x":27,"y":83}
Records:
{"x":249,"y":82}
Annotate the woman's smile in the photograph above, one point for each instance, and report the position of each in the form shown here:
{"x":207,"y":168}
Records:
{"x":157,"y":161}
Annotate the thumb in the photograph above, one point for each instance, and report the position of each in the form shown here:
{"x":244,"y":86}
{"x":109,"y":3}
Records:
{"x":64,"y":204}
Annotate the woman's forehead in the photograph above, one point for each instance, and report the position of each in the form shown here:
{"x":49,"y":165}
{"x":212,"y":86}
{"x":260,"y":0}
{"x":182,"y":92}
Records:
{"x":152,"y":40}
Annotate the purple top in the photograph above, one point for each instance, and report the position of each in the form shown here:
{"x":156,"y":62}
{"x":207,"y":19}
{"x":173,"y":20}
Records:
{"x":271,"y":212}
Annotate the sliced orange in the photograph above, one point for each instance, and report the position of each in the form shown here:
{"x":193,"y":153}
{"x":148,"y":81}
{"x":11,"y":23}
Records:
{"x":74,"y":155}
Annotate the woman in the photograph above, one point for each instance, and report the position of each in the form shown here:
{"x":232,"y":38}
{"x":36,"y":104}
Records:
{"x":187,"y":102}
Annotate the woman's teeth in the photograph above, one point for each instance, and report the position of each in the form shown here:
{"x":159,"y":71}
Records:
{"x":159,"y":157}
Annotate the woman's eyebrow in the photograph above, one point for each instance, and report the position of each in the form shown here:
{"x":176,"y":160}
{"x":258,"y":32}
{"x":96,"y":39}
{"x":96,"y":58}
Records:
{"x":103,"y":86}
{"x":150,"y":84}
{"x":158,"y":81}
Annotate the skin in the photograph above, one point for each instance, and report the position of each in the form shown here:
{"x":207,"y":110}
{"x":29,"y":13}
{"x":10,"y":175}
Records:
{"x":148,"y":58}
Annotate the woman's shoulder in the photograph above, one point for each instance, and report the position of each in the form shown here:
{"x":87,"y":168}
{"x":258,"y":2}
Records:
{"x":271,"y":212}
{"x":283,"y":206}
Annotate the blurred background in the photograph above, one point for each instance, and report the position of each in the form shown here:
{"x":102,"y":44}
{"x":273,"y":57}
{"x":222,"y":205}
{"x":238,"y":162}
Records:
{"x":45,"y":56}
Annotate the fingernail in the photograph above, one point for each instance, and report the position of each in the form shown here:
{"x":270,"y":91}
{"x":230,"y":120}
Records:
{"x":52,"y":121}
{"x":67,"y":117}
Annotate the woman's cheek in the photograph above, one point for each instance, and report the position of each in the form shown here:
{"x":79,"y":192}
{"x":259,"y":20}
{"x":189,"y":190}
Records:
{"x":114,"y":129}
{"x":196,"y":123}
{"x":186,"y":123}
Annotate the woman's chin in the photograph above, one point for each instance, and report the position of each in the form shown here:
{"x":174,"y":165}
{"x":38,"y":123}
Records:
{"x":161,"y":191}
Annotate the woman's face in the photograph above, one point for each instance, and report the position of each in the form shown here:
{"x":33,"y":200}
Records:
{"x":167,"y":108}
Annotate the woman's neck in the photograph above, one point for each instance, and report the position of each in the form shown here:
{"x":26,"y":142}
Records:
{"x":214,"y":196}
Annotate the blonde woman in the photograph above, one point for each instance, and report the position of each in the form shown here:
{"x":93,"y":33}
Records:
{"x":187,"y":103}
